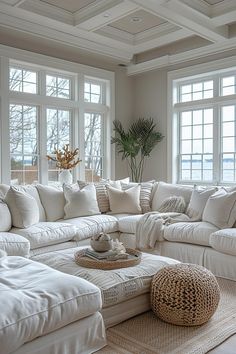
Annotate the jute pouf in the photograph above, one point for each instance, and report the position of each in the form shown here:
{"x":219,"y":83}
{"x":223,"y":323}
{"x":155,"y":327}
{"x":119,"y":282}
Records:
{"x":184,"y":294}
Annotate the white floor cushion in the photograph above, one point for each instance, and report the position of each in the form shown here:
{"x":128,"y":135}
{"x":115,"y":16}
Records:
{"x":14,"y":245}
{"x":224,"y":241}
{"x":36,"y":300}
{"x":47,"y":233}
{"x":197,"y":233}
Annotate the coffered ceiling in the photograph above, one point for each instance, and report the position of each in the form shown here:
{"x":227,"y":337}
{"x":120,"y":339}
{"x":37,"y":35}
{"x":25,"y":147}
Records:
{"x":126,"y":29}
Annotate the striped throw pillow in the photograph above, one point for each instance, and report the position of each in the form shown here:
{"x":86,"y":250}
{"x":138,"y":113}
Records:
{"x":145,"y":194}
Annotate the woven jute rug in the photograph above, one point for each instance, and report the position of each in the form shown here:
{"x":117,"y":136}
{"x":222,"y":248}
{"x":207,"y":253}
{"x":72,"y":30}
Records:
{"x":146,"y":334}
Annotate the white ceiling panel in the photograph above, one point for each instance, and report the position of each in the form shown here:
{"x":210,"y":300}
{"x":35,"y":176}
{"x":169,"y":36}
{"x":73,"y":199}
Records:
{"x":69,"y":5}
{"x":137,"y":22}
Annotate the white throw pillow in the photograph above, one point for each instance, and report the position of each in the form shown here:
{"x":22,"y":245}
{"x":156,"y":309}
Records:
{"x":53,"y":201}
{"x":117,"y":183}
{"x":166,"y":190}
{"x":127,"y":201}
{"x":101,"y":192}
{"x":80,"y":202}
{"x":145,"y":193}
{"x":23,"y":207}
{"x":14,"y":245}
{"x":5,"y":216}
{"x":198,"y":202}
{"x":173,"y":205}
{"x":220,"y":209}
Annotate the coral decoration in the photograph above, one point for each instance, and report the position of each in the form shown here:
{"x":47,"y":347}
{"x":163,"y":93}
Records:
{"x":65,"y":159}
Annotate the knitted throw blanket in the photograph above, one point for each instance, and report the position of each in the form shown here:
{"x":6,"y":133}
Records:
{"x":149,"y":228}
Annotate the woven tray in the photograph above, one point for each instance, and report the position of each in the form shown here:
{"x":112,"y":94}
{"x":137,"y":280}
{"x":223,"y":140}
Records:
{"x":84,"y":261}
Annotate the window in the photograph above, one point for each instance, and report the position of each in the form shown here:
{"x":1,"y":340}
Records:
{"x":23,"y":144}
{"x":52,"y":117}
{"x":206,"y":129}
{"x":58,"y":87}
{"x":22,"y":80}
{"x":93,"y":142}
{"x":92,"y":92}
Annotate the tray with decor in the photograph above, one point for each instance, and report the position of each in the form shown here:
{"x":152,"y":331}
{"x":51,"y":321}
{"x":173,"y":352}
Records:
{"x":89,"y":258}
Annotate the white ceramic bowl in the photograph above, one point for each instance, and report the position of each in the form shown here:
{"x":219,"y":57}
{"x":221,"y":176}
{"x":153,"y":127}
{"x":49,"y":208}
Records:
{"x":101,"y":246}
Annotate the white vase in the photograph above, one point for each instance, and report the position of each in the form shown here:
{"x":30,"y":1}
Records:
{"x":65,"y":176}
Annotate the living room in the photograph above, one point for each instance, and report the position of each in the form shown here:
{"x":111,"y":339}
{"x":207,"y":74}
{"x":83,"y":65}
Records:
{"x":117,"y":176}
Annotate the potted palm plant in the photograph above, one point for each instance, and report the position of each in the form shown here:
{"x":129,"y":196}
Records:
{"x":136,"y":144}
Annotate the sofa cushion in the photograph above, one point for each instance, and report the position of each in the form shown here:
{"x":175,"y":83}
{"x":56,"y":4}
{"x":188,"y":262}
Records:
{"x":220,"y":209}
{"x":14,"y":245}
{"x":198,"y":202}
{"x":145,"y":194}
{"x":80,"y":202}
{"x":36,"y":300}
{"x":23,"y":207}
{"x":89,"y":226}
{"x":165,"y":190}
{"x":127,"y":201}
{"x":4,"y":188}
{"x":5,"y":217}
{"x":53,"y":201}
{"x":224,"y":241}
{"x":197,"y":233}
{"x":47,"y":233}
{"x":127,"y":224}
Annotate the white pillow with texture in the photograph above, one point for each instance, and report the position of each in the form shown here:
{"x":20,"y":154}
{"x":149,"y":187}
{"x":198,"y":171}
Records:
{"x":23,"y":207}
{"x":53,"y":201}
{"x":102,"y":196}
{"x":117,"y":183}
{"x":5,"y":217}
{"x":173,"y":205}
{"x":80,"y":202}
{"x":127,"y":201}
{"x":220,"y":209}
{"x":14,"y":245}
{"x":145,"y":193}
{"x":166,"y":190}
{"x":198,"y":202}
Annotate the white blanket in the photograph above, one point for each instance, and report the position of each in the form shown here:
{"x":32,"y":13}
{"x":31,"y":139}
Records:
{"x":149,"y":228}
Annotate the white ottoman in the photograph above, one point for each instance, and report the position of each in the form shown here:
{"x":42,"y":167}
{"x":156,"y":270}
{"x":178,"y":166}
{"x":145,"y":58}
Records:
{"x":125,"y":291}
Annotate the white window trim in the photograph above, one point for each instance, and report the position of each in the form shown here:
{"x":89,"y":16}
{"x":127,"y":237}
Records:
{"x":17,"y":57}
{"x":226,"y":66}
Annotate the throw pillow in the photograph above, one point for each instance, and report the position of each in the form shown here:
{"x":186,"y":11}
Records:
{"x":220,"y":209}
{"x":173,"y":204}
{"x":102,"y":195}
{"x":80,"y":202}
{"x":117,"y":183}
{"x":53,"y":201}
{"x":127,"y":201}
{"x":23,"y":207}
{"x":145,"y":194}
{"x":198,"y":202}
{"x":165,"y":190}
{"x":5,"y":217}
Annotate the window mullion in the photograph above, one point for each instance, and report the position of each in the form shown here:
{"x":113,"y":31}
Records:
{"x":4,"y":122}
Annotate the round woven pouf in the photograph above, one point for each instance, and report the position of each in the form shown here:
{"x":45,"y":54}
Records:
{"x":184,"y":294}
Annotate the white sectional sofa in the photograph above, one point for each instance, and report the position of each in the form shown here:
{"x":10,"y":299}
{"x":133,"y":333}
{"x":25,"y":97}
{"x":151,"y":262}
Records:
{"x":46,"y":224}
{"x":212,"y":245}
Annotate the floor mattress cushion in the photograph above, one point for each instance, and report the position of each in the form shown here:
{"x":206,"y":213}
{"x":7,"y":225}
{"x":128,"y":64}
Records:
{"x":36,"y":300}
{"x":116,"y":285}
{"x":197,"y":233}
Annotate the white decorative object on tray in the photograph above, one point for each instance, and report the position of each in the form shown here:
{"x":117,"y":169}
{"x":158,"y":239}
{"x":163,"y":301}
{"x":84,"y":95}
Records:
{"x":101,"y":242}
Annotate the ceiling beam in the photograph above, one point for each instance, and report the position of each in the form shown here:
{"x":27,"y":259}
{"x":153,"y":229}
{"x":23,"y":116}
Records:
{"x":105,"y":12}
{"x":182,"y":15}
{"x":224,"y":18}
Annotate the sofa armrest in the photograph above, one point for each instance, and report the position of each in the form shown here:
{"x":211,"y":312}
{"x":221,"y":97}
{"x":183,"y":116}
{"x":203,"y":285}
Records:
{"x":14,"y":245}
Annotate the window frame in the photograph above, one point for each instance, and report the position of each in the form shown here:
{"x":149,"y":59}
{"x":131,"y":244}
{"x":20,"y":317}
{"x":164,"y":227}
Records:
{"x":215,"y":71}
{"x":78,"y":74}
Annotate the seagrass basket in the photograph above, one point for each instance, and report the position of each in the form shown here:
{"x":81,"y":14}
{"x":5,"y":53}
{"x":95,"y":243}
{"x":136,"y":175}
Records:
{"x":184,"y":294}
